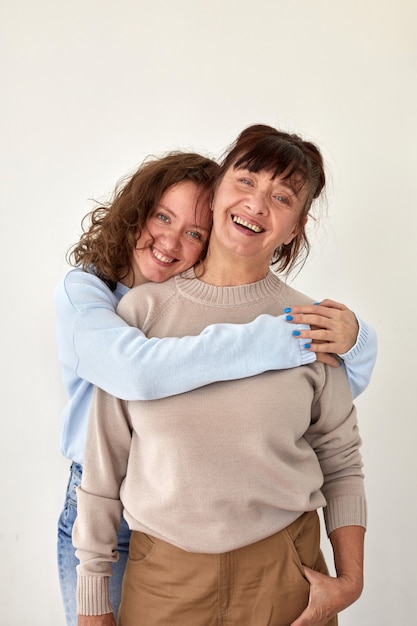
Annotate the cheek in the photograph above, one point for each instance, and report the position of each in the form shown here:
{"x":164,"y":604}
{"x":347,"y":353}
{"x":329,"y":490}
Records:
{"x":145,"y":237}
{"x":192,"y":253}
{"x":139,"y":242}
{"x":223,"y":198}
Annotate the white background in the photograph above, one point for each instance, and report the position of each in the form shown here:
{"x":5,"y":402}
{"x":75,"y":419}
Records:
{"x":91,"y":87}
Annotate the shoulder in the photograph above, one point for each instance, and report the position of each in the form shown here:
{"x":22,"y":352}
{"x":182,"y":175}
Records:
{"x":145,"y":300}
{"x":149,"y":292}
{"x":80,"y":289}
{"x":78,"y":276}
{"x":291,"y":296}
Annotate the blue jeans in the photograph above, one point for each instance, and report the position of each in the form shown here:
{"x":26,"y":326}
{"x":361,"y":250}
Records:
{"x":67,"y":561}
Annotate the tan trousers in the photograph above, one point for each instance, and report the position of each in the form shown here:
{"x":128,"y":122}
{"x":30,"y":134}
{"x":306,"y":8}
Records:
{"x":262,"y":584}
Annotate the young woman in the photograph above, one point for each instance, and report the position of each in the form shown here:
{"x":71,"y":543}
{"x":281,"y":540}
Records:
{"x":220,"y":485}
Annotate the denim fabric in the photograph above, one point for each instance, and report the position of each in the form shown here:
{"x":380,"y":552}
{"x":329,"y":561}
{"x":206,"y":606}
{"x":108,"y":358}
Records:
{"x":67,"y":560}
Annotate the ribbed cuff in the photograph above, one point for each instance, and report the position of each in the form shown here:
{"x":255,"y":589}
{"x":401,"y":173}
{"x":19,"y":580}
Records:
{"x":93,"y":595}
{"x":362,"y":338}
{"x":349,"y":510}
{"x":307,"y":356}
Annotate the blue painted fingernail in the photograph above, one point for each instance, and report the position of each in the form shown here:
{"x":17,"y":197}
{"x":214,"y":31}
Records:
{"x":307,"y":346}
{"x":316,"y":303}
{"x":289,"y":318}
{"x":287,"y":310}
{"x":296,"y":333}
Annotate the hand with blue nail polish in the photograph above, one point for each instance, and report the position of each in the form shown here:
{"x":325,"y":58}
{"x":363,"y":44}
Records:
{"x":333,"y":328}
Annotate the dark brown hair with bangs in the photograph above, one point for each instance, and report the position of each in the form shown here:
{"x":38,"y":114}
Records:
{"x":260,"y":147}
{"x":110,"y":231}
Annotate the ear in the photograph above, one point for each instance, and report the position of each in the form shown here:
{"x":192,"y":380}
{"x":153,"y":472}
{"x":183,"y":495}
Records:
{"x":296,"y":230}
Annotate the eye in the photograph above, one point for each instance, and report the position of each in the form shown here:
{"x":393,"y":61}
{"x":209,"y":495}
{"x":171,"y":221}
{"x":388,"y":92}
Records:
{"x":282,"y":199}
{"x":245,"y":181}
{"x":162,"y":217}
{"x":195,"y":235}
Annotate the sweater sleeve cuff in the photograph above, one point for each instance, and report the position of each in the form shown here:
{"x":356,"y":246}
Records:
{"x":361,"y":340}
{"x":307,"y":356}
{"x":93,"y":595}
{"x":349,"y":510}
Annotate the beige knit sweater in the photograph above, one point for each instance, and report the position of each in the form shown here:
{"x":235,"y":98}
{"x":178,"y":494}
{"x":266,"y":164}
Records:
{"x":223,"y":466}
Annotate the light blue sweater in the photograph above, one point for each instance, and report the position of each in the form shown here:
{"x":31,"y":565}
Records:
{"x":96,"y":347}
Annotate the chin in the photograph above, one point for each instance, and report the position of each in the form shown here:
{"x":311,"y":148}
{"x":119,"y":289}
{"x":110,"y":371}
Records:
{"x":159,"y":277}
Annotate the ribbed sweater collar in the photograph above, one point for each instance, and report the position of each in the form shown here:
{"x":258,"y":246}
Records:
{"x":199,"y":291}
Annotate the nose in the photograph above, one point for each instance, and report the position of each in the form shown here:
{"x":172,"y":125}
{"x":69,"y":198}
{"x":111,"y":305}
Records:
{"x":171,"y":241}
{"x":256,"y":203}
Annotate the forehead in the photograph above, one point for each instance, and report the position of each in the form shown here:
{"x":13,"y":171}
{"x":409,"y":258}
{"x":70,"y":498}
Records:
{"x":187,"y":201}
{"x":186,"y":190}
{"x":281,"y":158}
{"x":292,"y":179}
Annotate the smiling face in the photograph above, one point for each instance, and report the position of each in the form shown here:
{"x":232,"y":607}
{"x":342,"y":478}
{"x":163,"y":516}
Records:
{"x":174,"y":235}
{"x":253,"y":214}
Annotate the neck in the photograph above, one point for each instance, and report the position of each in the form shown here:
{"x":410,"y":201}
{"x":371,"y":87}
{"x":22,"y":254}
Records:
{"x":230,"y":272}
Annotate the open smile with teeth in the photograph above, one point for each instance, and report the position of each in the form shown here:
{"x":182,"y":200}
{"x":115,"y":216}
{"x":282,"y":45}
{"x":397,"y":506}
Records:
{"x":252,"y":227}
{"x":162,"y":257}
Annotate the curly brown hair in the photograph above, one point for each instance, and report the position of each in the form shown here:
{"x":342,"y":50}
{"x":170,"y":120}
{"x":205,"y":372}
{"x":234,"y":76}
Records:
{"x":110,"y":230}
{"x":262,"y":147}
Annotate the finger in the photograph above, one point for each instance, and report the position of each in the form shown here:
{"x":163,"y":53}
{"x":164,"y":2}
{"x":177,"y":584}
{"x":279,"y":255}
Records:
{"x":309,"y":617}
{"x":314,"y":318}
{"x":317,"y":334}
{"x":313,"y":577}
{"x":312,"y":309}
{"x":332,"y":304}
{"x":326,"y":347}
{"x":327,"y":308}
{"x":328,"y":359}
{"x":320,"y":341}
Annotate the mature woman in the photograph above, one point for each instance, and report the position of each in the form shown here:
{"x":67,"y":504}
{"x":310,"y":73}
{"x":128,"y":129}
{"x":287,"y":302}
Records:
{"x":220,"y":486}
{"x":223,"y":476}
